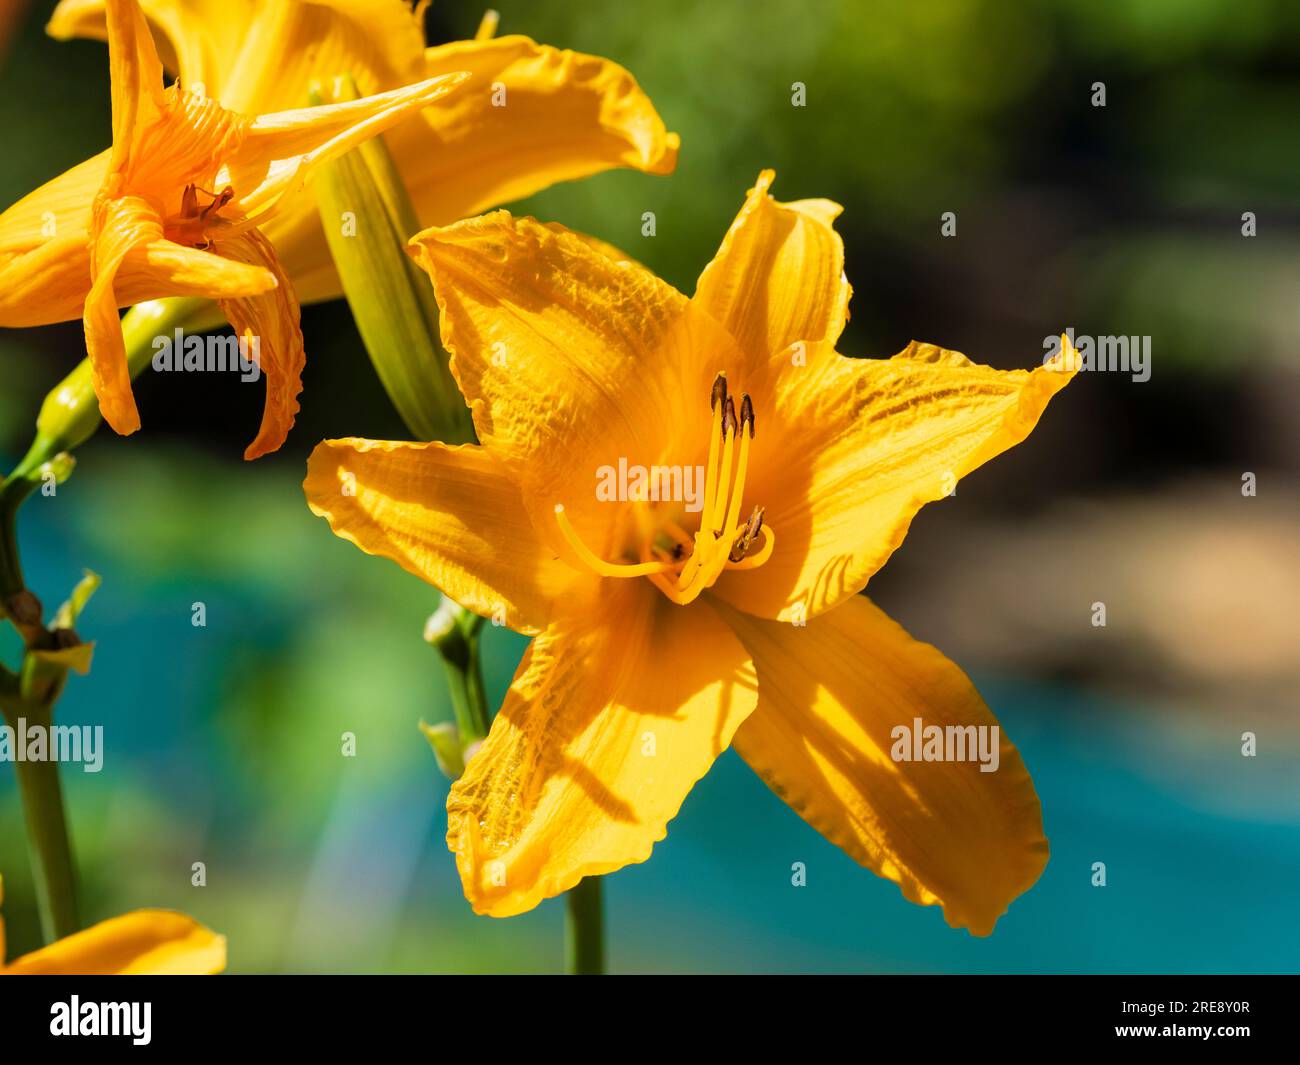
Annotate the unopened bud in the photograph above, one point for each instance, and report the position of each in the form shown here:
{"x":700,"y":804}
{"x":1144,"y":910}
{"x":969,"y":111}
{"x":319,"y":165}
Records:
{"x":368,"y":218}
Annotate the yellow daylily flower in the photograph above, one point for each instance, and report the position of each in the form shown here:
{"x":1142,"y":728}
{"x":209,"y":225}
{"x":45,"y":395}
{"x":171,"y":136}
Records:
{"x":671,"y":624}
{"x":530,"y":116}
{"x":140,"y":943}
{"x":175,"y":208}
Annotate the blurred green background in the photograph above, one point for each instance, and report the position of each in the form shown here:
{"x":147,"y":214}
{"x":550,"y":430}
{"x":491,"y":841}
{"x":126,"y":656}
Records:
{"x":223,"y":742}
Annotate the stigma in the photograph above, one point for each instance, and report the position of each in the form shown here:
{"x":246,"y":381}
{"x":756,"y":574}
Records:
{"x":683,"y":564}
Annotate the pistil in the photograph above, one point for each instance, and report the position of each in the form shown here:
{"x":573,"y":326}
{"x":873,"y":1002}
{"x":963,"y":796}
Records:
{"x":721,"y":542}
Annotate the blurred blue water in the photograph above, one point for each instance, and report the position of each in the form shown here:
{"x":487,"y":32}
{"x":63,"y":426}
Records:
{"x":223,"y":745}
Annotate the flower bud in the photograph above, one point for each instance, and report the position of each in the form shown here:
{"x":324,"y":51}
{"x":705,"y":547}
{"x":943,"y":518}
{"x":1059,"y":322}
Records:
{"x":444,"y":738}
{"x":367,"y":217}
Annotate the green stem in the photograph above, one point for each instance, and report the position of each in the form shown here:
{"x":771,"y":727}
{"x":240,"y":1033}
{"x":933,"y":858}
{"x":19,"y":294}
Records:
{"x":30,"y":695}
{"x":475,"y":692}
{"x":458,"y":647}
{"x":68,"y":417}
{"x":584,"y":929}
{"x":12,"y":493}
{"x":47,"y":830}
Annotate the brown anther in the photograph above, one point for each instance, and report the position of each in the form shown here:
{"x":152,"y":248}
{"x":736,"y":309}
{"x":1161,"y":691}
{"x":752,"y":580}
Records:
{"x":719,"y":393}
{"x":752,"y":528}
{"x":729,"y":419}
{"x":747,"y":414}
{"x":218,"y":202}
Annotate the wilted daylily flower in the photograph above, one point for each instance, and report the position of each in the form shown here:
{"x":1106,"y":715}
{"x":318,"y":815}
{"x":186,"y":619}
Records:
{"x":670,"y":622}
{"x":530,"y":115}
{"x":175,"y":207}
{"x":140,"y":943}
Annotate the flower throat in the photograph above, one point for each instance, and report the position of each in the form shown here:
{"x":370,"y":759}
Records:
{"x":682,"y":564}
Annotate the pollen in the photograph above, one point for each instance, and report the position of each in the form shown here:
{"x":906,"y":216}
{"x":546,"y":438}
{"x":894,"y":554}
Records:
{"x":681,"y":564}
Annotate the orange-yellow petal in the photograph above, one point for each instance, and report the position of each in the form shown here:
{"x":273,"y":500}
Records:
{"x":570,"y":360}
{"x":565,"y":115}
{"x":451,"y":515}
{"x":531,"y":115}
{"x":45,"y":248}
{"x":615,"y":712}
{"x":199,"y":40}
{"x":860,"y":446}
{"x":120,"y":225}
{"x":831,"y":697}
{"x":163,"y":266}
{"x":254,"y":56}
{"x":276,"y":156}
{"x":778,"y":277}
{"x":135,"y":75}
{"x":290,"y":44}
{"x":268,"y":327}
{"x":130,"y":255}
{"x":141,"y":943}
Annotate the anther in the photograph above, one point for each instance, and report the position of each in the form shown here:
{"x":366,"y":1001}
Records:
{"x":218,"y":202}
{"x":719,"y":393}
{"x":729,"y":419}
{"x":747,"y":414}
{"x":747,"y":535}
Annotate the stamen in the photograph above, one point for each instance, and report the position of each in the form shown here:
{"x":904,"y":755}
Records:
{"x":738,"y":490}
{"x":714,"y":540}
{"x":761,"y":555}
{"x":717,"y":400}
{"x":716,"y":553}
{"x":717,"y":403}
{"x":605,"y":569}
{"x":218,"y":202}
{"x":747,"y":534}
{"x":724,"y":473}
{"x":191,"y":225}
{"x":683,"y":565}
{"x":487,"y":26}
{"x":669,"y":589}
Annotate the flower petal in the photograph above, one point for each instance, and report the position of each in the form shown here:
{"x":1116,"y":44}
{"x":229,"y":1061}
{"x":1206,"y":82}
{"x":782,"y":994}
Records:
{"x":779,"y":275}
{"x":280,"y":149}
{"x":863,"y":444}
{"x":453,"y":516}
{"x":270,"y":318}
{"x":532,"y":115}
{"x":142,"y":943}
{"x":197,"y":40}
{"x":831,"y":695}
{"x":616,"y":711}
{"x":44,"y":247}
{"x":45,"y":283}
{"x":164,"y":268}
{"x":290,"y":45}
{"x":120,"y":225}
{"x":135,"y":74}
{"x":570,"y":360}
{"x":254,"y":57}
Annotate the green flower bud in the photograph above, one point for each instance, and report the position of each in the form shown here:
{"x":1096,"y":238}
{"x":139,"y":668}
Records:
{"x":70,"y":414}
{"x":368,"y":217}
{"x":444,"y":738}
